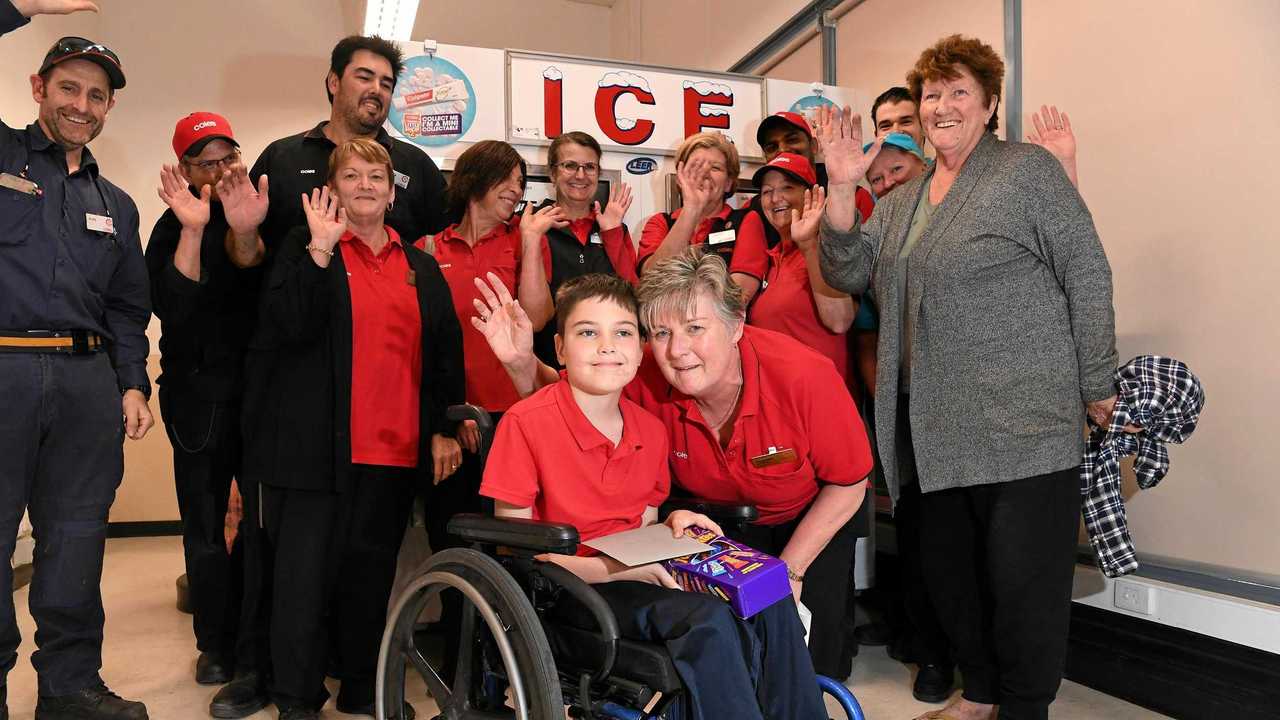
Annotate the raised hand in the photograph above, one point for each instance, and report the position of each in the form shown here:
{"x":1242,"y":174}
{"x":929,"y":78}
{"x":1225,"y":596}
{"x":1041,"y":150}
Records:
{"x":804,"y":221}
{"x":533,"y":225}
{"x":325,"y":219}
{"x":503,"y":322}
{"x":696,"y":191}
{"x":839,"y":134}
{"x":31,"y":8}
{"x":244,"y":205}
{"x":619,"y":201}
{"x":191,"y":211}
{"x":1053,"y":133}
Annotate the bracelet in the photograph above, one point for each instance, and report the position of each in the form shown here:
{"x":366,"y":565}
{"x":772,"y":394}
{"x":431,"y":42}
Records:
{"x":793,"y":576}
{"x":316,"y":248}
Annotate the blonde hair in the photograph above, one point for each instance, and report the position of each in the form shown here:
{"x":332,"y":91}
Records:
{"x":712,"y":141}
{"x":670,"y":288}
{"x":363,"y":148}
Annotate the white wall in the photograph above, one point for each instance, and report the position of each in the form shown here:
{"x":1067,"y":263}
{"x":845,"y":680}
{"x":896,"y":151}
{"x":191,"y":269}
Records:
{"x":559,"y":26}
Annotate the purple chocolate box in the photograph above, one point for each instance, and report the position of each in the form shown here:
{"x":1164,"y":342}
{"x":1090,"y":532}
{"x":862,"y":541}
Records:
{"x":747,"y":579}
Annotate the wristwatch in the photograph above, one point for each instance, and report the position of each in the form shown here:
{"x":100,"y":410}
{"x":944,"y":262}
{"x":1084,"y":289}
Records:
{"x":793,"y":576}
{"x":145,"y":392}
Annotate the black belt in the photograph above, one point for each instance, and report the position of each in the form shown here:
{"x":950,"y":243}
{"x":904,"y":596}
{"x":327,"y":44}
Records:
{"x":70,"y":342}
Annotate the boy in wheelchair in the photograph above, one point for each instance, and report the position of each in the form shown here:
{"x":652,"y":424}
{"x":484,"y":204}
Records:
{"x":577,"y":452}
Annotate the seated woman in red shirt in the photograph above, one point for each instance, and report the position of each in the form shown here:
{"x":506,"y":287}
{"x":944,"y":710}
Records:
{"x":795,"y":300}
{"x":596,"y":240}
{"x":357,"y":355}
{"x":751,"y":415}
{"x":578,"y":452}
{"x":707,"y":171}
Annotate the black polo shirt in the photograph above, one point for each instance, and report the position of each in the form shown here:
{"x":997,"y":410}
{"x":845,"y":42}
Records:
{"x":300,"y":163}
{"x":56,"y":273}
{"x":206,"y":323}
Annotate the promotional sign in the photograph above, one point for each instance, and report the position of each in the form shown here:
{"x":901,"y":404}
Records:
{"x":452,"y":94}
{"x":805,"y":98}
{"x":633,"y":107}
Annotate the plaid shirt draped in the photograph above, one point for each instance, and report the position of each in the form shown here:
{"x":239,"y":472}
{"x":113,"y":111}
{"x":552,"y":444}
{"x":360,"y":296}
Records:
{"x":1164,"y":398}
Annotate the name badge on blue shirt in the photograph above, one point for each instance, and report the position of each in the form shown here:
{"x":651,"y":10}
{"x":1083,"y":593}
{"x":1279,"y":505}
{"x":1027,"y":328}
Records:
{"x":99,"y":223}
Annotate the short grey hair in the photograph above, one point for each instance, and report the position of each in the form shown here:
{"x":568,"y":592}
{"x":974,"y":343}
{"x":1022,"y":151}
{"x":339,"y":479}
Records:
{"x":670,"y":287}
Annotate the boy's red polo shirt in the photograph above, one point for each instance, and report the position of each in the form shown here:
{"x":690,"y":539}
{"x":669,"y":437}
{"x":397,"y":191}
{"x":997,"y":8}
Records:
{"x":386,"y":353}
{"x":498,"y":252}
{"x":792,"y":399}
{"x":749,"y":244}
{"x":785,"y":304}
{"x":548,"y":456}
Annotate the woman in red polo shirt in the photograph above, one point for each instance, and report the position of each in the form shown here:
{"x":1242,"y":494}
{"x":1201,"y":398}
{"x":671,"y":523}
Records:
{"x":795,"y":300}
{"x":707,"y":171}
{"x":595,"y":240}
{"x":752,"y":416}
{"x":357,"y":356}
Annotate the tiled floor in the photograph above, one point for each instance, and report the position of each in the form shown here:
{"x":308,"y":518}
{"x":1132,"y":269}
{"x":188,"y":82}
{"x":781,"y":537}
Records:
{"x":149,"y":653}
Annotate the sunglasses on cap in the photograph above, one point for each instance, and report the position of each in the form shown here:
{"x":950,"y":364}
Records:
{"x":72,"y":46}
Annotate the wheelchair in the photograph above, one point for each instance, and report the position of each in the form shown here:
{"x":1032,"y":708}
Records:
{"x":515,"y":660}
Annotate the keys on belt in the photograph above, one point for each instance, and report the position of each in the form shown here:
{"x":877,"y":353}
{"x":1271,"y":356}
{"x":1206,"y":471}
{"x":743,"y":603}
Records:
{"x":71,"y":342}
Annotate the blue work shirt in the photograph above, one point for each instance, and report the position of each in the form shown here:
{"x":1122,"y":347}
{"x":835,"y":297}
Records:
{"x":56,"y":273}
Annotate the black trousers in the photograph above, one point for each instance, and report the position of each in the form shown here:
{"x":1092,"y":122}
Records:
{"x":458,"y":493}
{"x":253,"y":641}
{"x":206,"y":457}
{"x":61,"y":458}
{"x":826,"y":588}
{"x":335,"y":562}
{"x":925,"y":638}
{"x":731,"y":668}
{"x":998,"y":560}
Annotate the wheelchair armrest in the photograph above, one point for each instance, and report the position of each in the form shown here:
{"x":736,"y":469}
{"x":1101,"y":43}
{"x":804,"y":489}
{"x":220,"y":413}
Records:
{"x":519,"y":533}
{"x":467,"y":411}
{"x":721,"y":512}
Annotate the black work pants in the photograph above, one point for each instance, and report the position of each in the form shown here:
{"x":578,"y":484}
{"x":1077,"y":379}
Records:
{"x":61,"y":459}
{"x":206,"y":457}
{"x":335,"y":562}
{"x":825,"y":591}
{"x":925,"y":638}
{"x":999,"y":560}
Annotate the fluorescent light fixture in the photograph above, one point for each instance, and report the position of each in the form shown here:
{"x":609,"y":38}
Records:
{"x":390,"y":19}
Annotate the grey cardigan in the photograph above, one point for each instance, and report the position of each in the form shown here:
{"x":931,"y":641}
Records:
{"x":1014,"y":328}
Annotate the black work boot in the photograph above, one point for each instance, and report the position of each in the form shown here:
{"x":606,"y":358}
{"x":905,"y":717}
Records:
{"x":210,"y":670}
{"x":95,"y":703}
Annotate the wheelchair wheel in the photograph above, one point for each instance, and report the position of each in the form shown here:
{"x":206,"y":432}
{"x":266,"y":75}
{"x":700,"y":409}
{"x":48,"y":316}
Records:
{"x":514,"y":633}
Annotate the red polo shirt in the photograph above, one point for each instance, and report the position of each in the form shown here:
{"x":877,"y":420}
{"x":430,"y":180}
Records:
{"x":748,"y":251}
{"x":617,"y":246}
{"x":498,"y":252}
{"x":386,"y":353}
{"x":548,"y":456}
{"x":785,"y":304}
{"x":792,"y":399}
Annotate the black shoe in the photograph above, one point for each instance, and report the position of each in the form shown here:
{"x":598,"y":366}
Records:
{"x":299,"y":713}
{"x":211,"y":671}
{"x":97,"y":703}
{"x":239,"y":698}
{"x":933,"y":683}
{"x":408,"y":714}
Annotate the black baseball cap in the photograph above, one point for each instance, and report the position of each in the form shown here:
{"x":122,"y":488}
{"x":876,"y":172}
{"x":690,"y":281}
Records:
{"x":72,"y":47}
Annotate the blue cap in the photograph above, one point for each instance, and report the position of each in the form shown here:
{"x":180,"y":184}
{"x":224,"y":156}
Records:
{"x":902,"y":141}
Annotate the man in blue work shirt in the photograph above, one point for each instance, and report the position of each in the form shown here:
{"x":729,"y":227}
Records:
{"x":73,"y":314}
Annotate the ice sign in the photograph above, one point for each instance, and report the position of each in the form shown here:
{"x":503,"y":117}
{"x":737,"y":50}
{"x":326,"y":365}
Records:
{"x":612,"y":86}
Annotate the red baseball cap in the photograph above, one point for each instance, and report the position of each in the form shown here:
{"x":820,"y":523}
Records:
{"x":198,"y":129}
{"x":782,"y":118}
{"x":790,"y":164}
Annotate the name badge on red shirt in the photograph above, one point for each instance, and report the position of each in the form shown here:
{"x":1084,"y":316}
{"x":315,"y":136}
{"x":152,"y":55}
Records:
{"x":774,"y":457}
{"x":724,"y":236}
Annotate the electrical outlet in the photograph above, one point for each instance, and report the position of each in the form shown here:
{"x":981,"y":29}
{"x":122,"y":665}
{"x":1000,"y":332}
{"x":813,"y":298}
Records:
{"x":1133,"y":597}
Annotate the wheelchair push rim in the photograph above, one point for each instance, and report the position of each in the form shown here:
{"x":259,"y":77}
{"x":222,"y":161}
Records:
{"x":518,"y":638}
